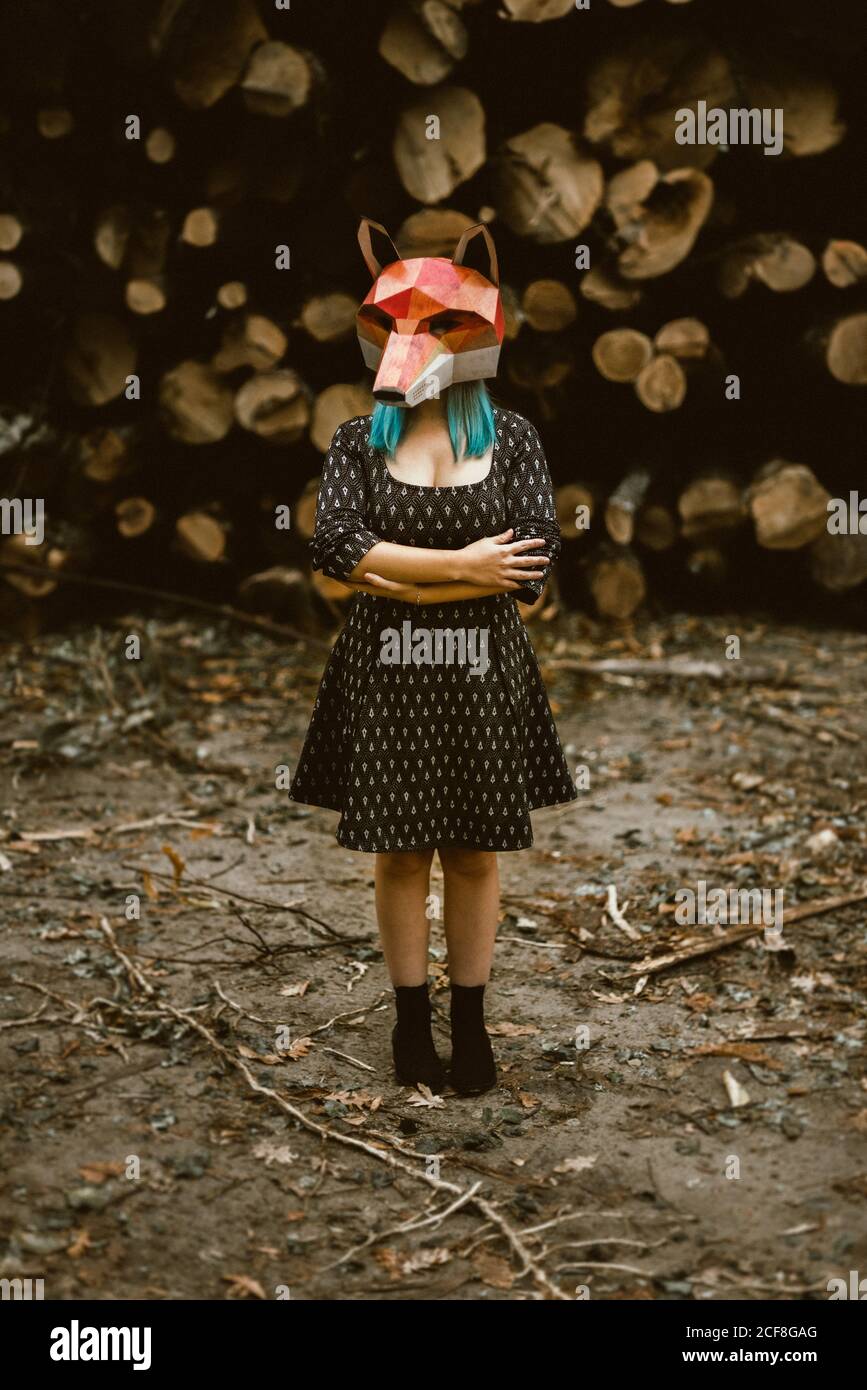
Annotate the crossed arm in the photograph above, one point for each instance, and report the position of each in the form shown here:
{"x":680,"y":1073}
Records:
{"x":516,"y":560}
{"x":494,"y":565}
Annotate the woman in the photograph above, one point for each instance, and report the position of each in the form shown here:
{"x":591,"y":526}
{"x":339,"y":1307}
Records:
{"x":431,"y":729}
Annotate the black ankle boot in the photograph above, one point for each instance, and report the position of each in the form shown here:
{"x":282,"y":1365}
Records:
{"x":472,"y":1067}
{"x":415,"y":1057}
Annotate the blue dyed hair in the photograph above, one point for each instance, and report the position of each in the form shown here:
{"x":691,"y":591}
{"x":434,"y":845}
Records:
{"x":470,"y":417}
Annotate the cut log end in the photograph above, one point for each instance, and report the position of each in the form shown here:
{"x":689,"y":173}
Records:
{"x":789,"y":507}
{"x":617,"y":584}
{"x":623,"y":505}
{"x":549,"y":306}
{"x":846,"y":353}
{"x":232,"y":295}
{"x":201,"y":537}
{"x":661,"y":385}
{"x":621,"y":354}
{"x":201,"y":227}
{"x":145,"y":296}
{"x":135,"y":515}
{"x":845,"y":263}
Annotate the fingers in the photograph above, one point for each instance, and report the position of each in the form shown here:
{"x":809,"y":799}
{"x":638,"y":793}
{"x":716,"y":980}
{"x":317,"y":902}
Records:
{"x":517,"y":546}
{"x":519,"y":561}
{"x":506,"y":535}
{"x":377,"y":581}
{"x":532,"y":574}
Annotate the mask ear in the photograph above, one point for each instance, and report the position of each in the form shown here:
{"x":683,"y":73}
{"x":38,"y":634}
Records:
{"x":476,"y":250}
{"x":377,"y":247}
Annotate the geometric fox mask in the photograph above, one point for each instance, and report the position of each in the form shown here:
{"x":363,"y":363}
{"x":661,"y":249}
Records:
{"x":429,"y":322}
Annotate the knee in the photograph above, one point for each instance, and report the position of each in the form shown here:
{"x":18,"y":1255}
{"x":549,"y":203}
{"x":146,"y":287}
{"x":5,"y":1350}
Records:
{"x":469,"y":863}
{"x":403,"y":864}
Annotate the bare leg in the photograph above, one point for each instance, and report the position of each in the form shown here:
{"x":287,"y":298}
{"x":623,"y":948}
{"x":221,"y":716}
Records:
{"x":472,"y":902}
{"x":402,"y":881}
{"x":472,"y":898}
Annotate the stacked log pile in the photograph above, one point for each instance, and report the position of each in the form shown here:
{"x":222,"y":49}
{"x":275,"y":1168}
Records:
{"x":686,"y":322}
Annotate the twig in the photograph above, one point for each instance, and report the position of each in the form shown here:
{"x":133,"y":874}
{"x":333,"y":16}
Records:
{"x":525,"y":941}
{"x":546,"y":1225}
{"x":652,"y":965}
{"x":136,"y":978}
{"x":263,"y":944}
{"x":764,"y":1288}
{"x":269,"y":1022}
{"x":204,"y":883}
{"x":415,"y":1223}
{"x":605,"y":1240}
{"x":686,"y":670}
{"x":572,"y":1216}
{"x":30,"y":1018}
{"x":805,"y":727}
{"x":617,"y":916}
{"x":365,"y":1066}
{"x":164,"y":818}
{"x":222,"y":610}
{"x":530,"y":1264}
{"x":50,"y":994}
{"x":351,"y":1013}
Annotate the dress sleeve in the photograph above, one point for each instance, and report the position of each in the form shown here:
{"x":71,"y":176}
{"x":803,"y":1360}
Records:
{"x":530,"y":509}
{"x":341,"y":537}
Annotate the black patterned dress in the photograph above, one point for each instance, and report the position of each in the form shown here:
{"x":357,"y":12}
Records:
{"x":418,"y":754}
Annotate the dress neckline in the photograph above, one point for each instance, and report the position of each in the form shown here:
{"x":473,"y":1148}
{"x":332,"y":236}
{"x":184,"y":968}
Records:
{"x":446,"y":487}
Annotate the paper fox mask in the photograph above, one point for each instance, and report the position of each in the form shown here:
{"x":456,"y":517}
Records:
{"x":429,"y":322}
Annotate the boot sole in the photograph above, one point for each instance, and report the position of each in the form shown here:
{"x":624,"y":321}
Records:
{"x":476,"y":1090}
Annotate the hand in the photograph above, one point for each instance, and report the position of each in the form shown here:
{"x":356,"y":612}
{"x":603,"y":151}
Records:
{"x":382,"y":588}
{"x":500,"y":560}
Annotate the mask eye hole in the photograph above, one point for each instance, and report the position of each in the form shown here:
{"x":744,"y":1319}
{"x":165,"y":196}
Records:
{"x":446,"y":322}
{"x":376,"y":318}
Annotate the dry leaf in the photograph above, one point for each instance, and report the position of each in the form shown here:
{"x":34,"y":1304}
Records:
{"x":178,"y":864}
{"x":390,"y":1260}
{"x":746,"y":1051}
{"x":512,"y":1030}
{"x":297,"y":990}
{"x":425,"y":1096}
{"x":576,"y":1165}
{"x":274,"y":1153}
{"x":268,"y":1059}
{"x":96,"y":1173}
{"x":400,"y":1265}
{"x":493,"y":1270}
{"x":699,"y":1003}
{"x":79,"y":1246}
{"x":361,"y":1099}
{"x":424,"y":1259}
{"x":737,"y":1094}
{"x":242,"y":1286}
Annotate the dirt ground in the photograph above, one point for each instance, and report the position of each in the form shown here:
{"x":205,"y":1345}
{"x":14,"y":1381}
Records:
{"x":198,"y":1102}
